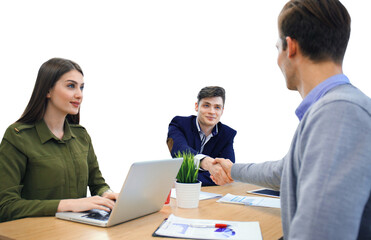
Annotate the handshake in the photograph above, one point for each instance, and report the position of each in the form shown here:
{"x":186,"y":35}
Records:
{"x":219,"y":168}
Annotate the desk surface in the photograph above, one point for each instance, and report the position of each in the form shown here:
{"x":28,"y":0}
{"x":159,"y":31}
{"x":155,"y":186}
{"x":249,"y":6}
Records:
{"x":142,"y":228}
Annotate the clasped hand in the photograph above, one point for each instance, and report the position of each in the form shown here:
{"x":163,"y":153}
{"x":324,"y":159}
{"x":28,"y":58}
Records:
{"x":219,"y":168}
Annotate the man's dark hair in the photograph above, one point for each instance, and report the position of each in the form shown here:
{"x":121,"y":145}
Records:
{"x":321,"y":28}
{"x":212,"y":91}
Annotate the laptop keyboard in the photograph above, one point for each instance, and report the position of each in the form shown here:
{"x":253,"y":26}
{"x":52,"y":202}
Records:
{"x":97,"y":214}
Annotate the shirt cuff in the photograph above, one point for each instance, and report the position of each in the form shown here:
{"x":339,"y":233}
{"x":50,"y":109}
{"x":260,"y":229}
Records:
{"x":50,"y":207}
{"x":105,"y":191}
{"x":198,"y":158}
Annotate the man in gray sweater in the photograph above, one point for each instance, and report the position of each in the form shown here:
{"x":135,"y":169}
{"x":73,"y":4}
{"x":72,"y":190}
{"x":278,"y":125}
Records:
{"x":325,"y":178}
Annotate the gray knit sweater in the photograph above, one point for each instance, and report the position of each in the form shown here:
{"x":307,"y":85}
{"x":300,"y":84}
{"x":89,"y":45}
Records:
{"x":325,"y":178}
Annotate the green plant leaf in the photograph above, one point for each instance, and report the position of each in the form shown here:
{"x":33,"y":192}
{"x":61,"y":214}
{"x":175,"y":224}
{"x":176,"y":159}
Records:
{"x":188,"y":171}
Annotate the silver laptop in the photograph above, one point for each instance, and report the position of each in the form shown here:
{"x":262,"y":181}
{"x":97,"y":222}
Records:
{"x":144,"y":191}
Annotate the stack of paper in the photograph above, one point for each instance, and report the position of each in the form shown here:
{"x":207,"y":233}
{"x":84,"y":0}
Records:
{"x":203,"y":195}
{"x":251,"y":201}
{"x":198,"y":229}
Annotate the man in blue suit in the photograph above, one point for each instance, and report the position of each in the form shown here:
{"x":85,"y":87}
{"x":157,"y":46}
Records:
{"x":204,"y":135}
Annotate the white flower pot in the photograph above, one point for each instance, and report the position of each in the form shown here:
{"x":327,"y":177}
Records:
{"x":187,"y":194}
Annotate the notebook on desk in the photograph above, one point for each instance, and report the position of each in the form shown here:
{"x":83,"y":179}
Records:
{"x":143,"y":192}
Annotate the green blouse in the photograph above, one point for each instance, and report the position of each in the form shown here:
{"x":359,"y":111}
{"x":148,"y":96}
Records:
{"x":37,"y":169}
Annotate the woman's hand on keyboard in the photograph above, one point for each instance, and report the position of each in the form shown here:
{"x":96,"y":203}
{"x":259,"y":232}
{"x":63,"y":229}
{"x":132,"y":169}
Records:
{"x":85,"y":204}
{"x":110,"y":195}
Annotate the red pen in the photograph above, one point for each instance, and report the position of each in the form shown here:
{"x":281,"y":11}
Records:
{"x":216,"y":225}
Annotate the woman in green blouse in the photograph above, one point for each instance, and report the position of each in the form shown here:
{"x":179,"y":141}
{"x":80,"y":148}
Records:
{"x":47,"y":160}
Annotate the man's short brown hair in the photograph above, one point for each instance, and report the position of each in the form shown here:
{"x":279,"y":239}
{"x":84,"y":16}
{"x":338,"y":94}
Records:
{"x":211,"y":91}
{"x":321,"y":27}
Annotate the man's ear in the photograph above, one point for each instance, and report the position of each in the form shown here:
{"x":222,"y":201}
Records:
{"x":292,"y":47}
{"x":196,"y":106}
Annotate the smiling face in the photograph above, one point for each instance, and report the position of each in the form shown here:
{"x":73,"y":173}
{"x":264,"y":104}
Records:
{"x":66,"y":95}
{"x":209,"y":112}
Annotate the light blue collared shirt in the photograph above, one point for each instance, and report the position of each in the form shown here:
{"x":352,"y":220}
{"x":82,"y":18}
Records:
{"x":202,"y":134}
{"x":319,"y":91}
{"x":201,"y":156}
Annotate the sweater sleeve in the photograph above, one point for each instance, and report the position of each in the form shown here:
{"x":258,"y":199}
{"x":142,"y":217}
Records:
{"x":266,"y":174}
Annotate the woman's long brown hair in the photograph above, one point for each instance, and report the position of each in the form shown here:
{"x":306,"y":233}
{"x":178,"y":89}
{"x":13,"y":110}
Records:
{"x":49,"y":73}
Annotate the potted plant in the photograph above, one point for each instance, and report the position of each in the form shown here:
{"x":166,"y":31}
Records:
{"x":187,"y":186}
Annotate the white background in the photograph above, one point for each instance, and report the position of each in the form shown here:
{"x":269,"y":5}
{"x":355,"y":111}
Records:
{"x":145,"y":61}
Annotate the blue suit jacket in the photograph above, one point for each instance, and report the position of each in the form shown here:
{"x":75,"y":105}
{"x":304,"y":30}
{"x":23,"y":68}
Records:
{"x":183,"y":135}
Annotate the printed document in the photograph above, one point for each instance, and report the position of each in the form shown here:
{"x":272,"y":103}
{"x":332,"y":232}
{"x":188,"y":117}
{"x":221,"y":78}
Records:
{"x":251,"y":201}
{"x":195,"y":229}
